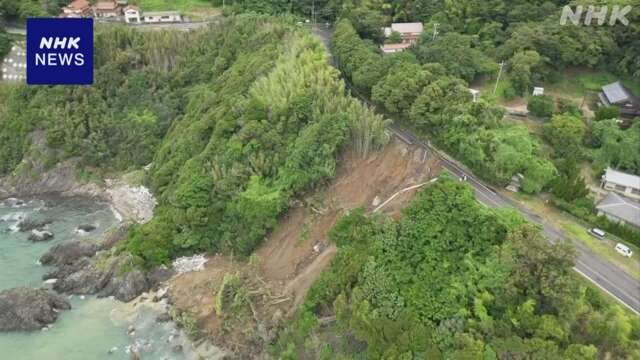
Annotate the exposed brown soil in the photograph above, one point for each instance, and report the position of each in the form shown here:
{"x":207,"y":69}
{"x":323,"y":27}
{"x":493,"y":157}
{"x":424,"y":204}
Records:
{"x":292,"y":257}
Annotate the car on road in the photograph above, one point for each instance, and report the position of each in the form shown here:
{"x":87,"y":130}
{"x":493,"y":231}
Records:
{"x":600,"y":234}
{"x":623,"y":250}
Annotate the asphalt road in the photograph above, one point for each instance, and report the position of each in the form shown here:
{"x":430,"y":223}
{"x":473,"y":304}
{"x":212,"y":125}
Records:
{"x":607,"y":276}
{"x":601,"y":272}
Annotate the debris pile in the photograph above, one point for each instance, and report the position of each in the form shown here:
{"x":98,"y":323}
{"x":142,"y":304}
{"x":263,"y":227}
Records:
{"x":187,"y":264}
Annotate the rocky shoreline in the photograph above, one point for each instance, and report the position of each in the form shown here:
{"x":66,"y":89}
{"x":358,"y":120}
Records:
{"x":80,"y":267}
{"x":23,"y":309}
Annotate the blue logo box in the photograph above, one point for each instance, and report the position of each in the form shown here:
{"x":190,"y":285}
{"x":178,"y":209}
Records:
{"x":59,"y":51}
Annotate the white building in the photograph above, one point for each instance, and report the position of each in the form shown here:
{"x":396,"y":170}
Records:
{"x":132,"y":14}
{"x":394,"y":48}
{"x":152,"y":17}
{"x":622,"y":183}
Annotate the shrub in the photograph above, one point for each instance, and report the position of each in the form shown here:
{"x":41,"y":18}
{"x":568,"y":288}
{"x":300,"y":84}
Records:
{"x":541,"y":106}
{"x":607,"y":112}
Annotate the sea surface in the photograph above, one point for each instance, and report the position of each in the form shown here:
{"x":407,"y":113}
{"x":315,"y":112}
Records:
{"x":94,"y":328}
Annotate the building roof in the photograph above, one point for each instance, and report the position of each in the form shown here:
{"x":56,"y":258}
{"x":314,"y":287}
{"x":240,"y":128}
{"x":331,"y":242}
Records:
{"x":78,"y":5}
{"x":132,"y":7}
{"x":415,"y":27}
{"x":621,"y":207}
{"x":616,"y":93}
{"x":621,"y":178}
{"x":105,"y":5}
{"x":394,"y":47}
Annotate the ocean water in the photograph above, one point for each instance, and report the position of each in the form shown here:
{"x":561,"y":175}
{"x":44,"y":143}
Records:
{"x":94,"y":328}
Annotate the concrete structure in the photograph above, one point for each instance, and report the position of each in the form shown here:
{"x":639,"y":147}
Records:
{"x":77,"y":9}
{"x":537,"y":91}
{"x":132,"y":15}
{"x":620,"y":209}
{"x":409,"y":32}
{"x":394,"y":48}
{"x":154,"y":17}
{"x":107,"y":9}
{"x":622,"y":183}
{"x":615,"y":94}
{"x":14,"y":66}
{"x":475,"y":94}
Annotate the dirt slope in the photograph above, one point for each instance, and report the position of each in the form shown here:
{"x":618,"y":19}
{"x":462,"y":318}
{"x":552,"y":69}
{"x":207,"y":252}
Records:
{"x":292,"y":257}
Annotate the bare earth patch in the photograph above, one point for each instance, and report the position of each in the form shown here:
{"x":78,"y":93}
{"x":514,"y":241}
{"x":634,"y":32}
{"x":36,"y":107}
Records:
{"x":276,"y":278}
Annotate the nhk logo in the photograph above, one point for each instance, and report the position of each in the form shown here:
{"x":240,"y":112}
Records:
{"x":60,"y":51}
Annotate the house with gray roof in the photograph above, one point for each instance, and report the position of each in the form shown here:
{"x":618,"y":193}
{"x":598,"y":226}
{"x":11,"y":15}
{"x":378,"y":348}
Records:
{"x":622,"y":183}
{"x":615,"y":94}
{"x":620,"y":209}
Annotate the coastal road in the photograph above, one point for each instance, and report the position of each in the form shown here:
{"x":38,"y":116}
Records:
{"x":605,"y":275}
{"x":601,"y":272}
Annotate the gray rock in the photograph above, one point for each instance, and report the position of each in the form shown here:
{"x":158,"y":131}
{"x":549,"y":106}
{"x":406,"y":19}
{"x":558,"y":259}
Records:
{"x":29,"y":225}
{"x":68,"y":253}
{"x":129,"y":286}
{"x":164,"y":317}
{"x":23,"y":309}
{"x":38,"y":236}
{"x":160,"y":274}
{"x":86,"y":227}
{"x":113,"y":236}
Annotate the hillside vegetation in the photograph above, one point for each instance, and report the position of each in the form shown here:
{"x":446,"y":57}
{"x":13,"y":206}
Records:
{"x":452,"y":279}
{"x":236,"y":120}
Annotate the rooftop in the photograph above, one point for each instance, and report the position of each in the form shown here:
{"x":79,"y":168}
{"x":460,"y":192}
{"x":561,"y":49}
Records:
{"x":621,"y":207}
{"x":622,"y":178}
{"x":78,"y":4}
{"x":106,"y":5}
{"x":616,"y":93}
{"x":415,"y":27}
{"x":395,"y":46}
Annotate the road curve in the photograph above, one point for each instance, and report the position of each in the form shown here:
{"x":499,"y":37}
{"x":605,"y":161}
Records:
{"x":607,"y":276}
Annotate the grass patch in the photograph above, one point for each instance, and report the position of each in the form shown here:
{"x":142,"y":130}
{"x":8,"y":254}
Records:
{"x":577,"y":83}
{"x":185,"y":6}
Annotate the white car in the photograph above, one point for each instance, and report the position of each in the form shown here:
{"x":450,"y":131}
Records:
{"x":623,"y":250}
{"x":600,"y":234}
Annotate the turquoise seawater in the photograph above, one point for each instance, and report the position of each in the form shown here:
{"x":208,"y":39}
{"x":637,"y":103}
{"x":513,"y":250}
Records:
{"x":93,"y":326}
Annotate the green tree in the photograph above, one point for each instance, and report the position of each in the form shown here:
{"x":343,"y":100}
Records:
{"x":566,"y":134}
{"x":541,"y":106}
{"x":524,"y":70}
{"x":607,"y":112}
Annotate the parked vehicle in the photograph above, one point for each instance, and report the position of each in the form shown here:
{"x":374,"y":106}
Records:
{"x":600,"y":234}
{"x":623,"y":250}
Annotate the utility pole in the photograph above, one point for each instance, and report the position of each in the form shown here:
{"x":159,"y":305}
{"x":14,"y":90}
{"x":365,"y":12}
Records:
{"x":498,"y":79}
{"x":435,"y":30}
{"x":313,"y":12}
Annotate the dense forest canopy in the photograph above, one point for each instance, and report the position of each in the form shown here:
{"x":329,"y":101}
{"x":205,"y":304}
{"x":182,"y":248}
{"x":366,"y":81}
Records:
{"x":452,"y":279}
{"x":500,"y":28}
{"x":437,"y":102}
{"x":236,"y":120}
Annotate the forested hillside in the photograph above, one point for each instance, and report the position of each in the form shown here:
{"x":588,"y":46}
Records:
{"x":452,"y":279}
{"x":524,"y":32}
{"x":438,"y":102}
{"x":236,"y":120}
